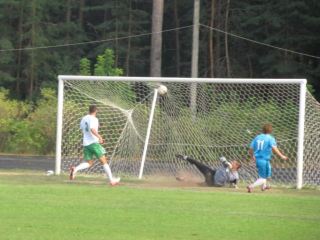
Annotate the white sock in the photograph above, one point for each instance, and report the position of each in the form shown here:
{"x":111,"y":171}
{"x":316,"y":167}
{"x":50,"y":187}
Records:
{"x":259,"y":182}
{"x":108,"y":171}
{"x":264,"y":185}
{"x":81,"y":166}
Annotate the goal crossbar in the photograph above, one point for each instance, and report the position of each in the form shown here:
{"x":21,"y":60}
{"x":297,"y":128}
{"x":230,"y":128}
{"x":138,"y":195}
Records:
{"x":177,"y":79}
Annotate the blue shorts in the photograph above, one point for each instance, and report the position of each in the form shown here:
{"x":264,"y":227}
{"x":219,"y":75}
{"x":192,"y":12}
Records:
{"x":264,"y":168}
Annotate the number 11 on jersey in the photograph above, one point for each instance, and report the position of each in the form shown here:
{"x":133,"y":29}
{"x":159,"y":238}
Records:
{"x":260,"y":144}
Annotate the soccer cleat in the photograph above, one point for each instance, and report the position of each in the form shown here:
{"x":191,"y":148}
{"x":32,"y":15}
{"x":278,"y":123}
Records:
{"x":250,"y":189}
{"x":115,"y":181}
{"x":266,"y":187}
{"x":182,"y":157}
{"x":72,"y":175}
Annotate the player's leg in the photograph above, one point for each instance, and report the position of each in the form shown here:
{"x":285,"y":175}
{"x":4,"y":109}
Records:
{"x":267,"y":174}
{"x":87,"y":155}
{"x":107,"y":169}
{"x":260,"y":181}
{"x":100,"y":154}
{"x":207,"y":172}
{"x":264,"y":171}
{"x":267,"y":186}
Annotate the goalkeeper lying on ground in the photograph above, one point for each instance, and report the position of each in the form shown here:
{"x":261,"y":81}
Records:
{"x":226,"y":174}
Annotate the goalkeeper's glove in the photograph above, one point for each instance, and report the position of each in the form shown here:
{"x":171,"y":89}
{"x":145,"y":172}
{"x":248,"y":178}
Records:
{"x":225,"y":163}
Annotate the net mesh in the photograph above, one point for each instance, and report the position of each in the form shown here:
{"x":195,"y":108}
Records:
{"x":225,"y":120}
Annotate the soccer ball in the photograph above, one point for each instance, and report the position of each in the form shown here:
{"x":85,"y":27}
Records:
{"x":50,"y":172}
{"x":162,"y":90}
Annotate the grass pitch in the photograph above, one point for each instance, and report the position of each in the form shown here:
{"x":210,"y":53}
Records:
{"x":34,"y":206}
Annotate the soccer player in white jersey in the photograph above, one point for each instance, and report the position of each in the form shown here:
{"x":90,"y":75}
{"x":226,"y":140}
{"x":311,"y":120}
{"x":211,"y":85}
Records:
{"x":92,"y":141}
{"x":226,"y":174}
{"x":260,"y":151}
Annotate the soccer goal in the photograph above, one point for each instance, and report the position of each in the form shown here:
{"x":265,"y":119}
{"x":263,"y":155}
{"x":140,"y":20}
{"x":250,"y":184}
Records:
{"x":146,"y":125}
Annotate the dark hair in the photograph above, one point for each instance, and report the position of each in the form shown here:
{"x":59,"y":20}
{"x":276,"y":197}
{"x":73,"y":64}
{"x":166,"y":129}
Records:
{"x":92,"y":108}
{"x":267,"y":128}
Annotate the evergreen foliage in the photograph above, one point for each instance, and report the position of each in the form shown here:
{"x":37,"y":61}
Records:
{"x":26,"y":24}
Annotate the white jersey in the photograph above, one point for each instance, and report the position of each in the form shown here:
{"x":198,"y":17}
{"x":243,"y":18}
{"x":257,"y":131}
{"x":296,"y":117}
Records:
{"x":87,"y":123}
{"x":233,"y":175}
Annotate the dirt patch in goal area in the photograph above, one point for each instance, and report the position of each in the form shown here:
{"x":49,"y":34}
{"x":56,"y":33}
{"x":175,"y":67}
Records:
{"x":181,"y":180}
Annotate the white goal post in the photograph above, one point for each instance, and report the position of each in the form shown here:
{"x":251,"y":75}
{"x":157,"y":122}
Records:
{"x":230,"y":111}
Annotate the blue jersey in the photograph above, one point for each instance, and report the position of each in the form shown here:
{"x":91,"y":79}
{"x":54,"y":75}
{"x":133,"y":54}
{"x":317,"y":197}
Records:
{"x":262,"y":146}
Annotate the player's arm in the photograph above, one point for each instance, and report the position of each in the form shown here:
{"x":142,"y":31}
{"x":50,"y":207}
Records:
{"x":279,"y":153}
{"x":251,"y":152}
{"x":234,"y":183}
{"x":95,"y":133}
{"x":225,"y":163}
{"x":252,"y":157}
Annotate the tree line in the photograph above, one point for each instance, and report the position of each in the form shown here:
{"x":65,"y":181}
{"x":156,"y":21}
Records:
{"x":286,"y":24}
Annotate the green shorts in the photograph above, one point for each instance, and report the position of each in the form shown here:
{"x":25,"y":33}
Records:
{"x":94,"y":149}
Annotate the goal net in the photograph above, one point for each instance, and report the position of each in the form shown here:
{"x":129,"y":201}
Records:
{"x":144,"y":130}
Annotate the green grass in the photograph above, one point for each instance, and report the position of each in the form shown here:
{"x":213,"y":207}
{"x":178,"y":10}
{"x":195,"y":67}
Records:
{"x":33,"y":206}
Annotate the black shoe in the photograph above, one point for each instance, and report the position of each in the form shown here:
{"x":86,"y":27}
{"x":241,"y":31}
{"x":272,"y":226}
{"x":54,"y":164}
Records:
{"x":181,"y":157}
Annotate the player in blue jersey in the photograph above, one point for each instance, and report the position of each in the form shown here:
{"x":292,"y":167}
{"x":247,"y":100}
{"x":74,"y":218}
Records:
{"x":261,"y":149}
